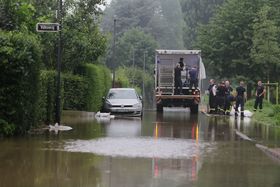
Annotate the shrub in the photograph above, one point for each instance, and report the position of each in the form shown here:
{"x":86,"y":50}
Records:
{"x":94,"y":92}
{"x":75,"y":89}
{"x":47,"y":96}
{"x":19,"y":63}
{"x":122,"y":79}
{"x":276,"y":114}
{"x":6,"y":128}
{"x":98,"y":81}
{"x":107,"y":79}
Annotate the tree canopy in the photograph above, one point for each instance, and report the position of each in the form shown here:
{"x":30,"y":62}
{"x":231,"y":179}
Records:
{"x":196,"y":13}
{"x":160,"y":18}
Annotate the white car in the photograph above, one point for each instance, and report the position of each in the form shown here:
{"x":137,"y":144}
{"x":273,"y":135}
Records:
{"x":123,"y":101}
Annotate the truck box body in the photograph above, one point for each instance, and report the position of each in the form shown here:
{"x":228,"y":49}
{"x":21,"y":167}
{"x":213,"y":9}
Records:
{"x":165,"y":63}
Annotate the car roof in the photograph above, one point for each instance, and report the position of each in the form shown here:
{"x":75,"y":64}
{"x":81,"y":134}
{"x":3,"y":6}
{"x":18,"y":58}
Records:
{"x":122,"y":89}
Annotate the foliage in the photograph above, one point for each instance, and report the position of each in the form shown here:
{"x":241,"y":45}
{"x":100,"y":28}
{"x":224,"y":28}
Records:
{"x":242,"y":39}
{"x":15,"y":15}
{"x":107,"y":80}
{"x":19,"y":63}
{"x":132,"y":46}
{"x":160,"y":18}
{"x":6,"y":129}
{"x":47,"y":96}
{"x":122,"y":80}
{"x":96,"y":78}
{"x":75,"y":89}
{"x":276,"y":114}
{"x":25,"y":98}
{"x":81,"y":37}
{"x":265,"y":50}
{"x":195,"y":13}
{"x":226,"y":40}
{"x":82,"y":43}
{"x":269,"y":115}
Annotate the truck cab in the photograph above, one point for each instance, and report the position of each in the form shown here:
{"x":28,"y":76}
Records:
{"x":165,"y":63}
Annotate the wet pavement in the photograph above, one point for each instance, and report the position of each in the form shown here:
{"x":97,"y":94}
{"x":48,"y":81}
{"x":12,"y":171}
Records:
{"x":172,"y":149}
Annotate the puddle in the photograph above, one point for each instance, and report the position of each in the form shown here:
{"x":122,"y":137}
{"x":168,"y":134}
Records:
{"x":140,"y":147}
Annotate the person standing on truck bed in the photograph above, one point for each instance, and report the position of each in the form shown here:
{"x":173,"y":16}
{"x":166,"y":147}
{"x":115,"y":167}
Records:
{"x":181,"y":62}
{"x":212,"y":96}
{"x":221,"y":95}
{"x":240,"y":99}
{"x":177,"y":79}
{"x":193,"y":77}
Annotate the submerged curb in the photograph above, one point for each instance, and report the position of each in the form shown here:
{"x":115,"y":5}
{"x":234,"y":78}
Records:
{"x":274,"y":152}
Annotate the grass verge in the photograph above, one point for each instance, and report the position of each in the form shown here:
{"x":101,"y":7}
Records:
{"x":270,"y":114}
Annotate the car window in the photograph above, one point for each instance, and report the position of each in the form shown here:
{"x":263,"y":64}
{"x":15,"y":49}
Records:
{"x":122,"y":94}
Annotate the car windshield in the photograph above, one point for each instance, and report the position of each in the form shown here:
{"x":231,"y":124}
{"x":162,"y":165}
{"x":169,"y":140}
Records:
{"x":122,"y":94}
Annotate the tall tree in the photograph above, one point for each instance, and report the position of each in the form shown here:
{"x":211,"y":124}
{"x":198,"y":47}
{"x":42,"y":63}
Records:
{"x":132,"y":46}
{"x":161,"y":18}
{"x":195,"y":13}
{"x":265,"y":51}
{"x":227,"y":39}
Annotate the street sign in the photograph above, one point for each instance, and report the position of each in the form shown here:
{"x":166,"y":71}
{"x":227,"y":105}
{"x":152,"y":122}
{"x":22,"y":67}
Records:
{"x":47,"y":27}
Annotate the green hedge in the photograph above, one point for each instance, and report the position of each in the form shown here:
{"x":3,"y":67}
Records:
{"x":47,"y":93}
{"x":98,"y":80}
{"x":276,"y":114}
{"x":19,"y":63}
{"x":79,"y":92}
{"x":75,"y":89}
{"x":6,"y":128}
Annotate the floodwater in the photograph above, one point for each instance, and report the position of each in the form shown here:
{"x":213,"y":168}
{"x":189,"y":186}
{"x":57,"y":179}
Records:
{"x":173,"y":149}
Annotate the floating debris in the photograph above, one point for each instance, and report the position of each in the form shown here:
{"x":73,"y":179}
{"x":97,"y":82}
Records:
{"x":58,"y":127}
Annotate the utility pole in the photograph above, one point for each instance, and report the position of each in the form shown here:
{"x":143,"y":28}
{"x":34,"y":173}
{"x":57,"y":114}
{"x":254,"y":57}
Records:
{"x":133,"y":64}
{"x":58,"y":84}
{"x":114,"y":52}
{"x":144,"y":67}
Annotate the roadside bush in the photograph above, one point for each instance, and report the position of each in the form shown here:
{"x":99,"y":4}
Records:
{"x":98,"y":84}
{"x":107,"y":80}
{"x":19,"y":63}
{"x":47,"y":96}
{"x":75,"y":91}
{"x":276,"y":114}
{"x":122,"y":79}
{"x":6,"y":128}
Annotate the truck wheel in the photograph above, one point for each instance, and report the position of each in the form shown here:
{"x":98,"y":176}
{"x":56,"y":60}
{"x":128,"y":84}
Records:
{"x":159,"y":108}
{"x":194,"y":109}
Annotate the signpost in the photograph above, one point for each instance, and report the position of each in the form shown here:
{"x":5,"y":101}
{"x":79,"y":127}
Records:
{"x":47,"y":27}
{"x":55,"y":27}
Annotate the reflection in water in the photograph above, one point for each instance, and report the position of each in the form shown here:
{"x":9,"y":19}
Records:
{"x":172,"y":149}
{"x":179,"y":124}
{"x":139,"y":147}
{"x":123,"y":128}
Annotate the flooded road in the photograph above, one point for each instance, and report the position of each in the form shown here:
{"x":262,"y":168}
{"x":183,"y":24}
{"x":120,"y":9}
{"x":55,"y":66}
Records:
{"x":172,"y":149}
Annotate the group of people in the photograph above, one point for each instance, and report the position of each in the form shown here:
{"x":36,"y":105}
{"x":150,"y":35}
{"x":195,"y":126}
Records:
{"x":222,"y":95}
{"x":191,"y":77}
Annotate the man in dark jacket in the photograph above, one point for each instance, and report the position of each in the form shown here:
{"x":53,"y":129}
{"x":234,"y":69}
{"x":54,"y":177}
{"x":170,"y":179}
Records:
{"x":228,"y":97}
{"x":193,"y":77}
{"x":212,"y":96}
{"x":240,"y":99}
{"x":260,"y":91}
{"x":177,"y":79}
{"x":221,"y":94}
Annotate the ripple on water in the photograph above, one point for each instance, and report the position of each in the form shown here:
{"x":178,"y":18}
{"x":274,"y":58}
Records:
{"x":139,"y":147}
